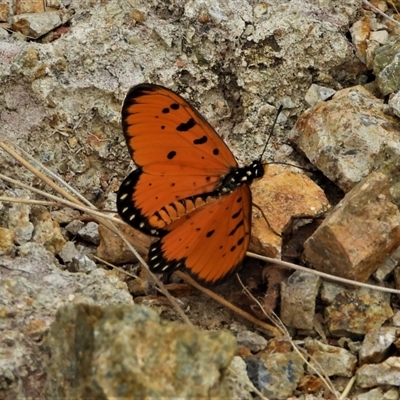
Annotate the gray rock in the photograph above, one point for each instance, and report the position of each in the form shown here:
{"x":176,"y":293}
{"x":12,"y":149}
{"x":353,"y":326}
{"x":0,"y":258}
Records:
{"x":385,"y":373}
{"x":353,"y":314}
{"x":387,"y":67}
{"x":90,"y":233}
{"x":349,"y":137}
{"x":127,"y":351}
{"x":276,"y":375}
{"x":330,"y":360}
{"x":32,"y":287}
{"x":252,"y":341}
{"x":18,"y":221}
{"x":298,"y":296}
{"x":377,"y":344}
{"x":35,"y":25}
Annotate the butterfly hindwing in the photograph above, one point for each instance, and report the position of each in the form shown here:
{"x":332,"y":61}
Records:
{"x":211,"y":242}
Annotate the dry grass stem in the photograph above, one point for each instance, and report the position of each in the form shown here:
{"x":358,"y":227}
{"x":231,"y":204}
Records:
{"x":279,"y":324}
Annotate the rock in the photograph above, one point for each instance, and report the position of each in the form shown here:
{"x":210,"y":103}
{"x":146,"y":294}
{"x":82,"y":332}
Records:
{"x":82,"y":263}
{"x":396,"y":319}
{"x":330,"y":360}
{"x":275,"y":375}
{"x":282,"y":194}
{"x":252,"y":341}
{"x":348,"y":137}
{"x":298,"y":297}
{"x":373,"y":394}
{"x":7,"y":238}
{"x":46,"y":231}
{"x":127,"y":350}
{"x":69,"y":252}
{"x":388,"y":265}
{"x":29,"y":6}
{"x":379,"y":36}
{"x":362,"y":230}
{"x":360,"y":32}
{"x":394,"y":102}
{"x":353,"y":315}
{"x":4,"y":12}
{"x":65,"y":215}
{"x":317,"y":93}
{"x":32,"y":287}
{"x":90,"y":233}
{"x":377,"y":344}
{"x":38,"y":24}
{"x":386,"y":67}
{"x":385,"y":373}
{"x":238,"y":380}
{"x":75,"y":226}
{"x":19,"y":223}
{"x":114,"y":250}
{"x":330,"y":290}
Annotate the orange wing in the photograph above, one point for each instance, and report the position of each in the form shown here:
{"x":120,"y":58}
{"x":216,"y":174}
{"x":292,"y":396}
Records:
{"x":210,"y":242}
{"x":187,"y":189}
{"x":179,"y":154}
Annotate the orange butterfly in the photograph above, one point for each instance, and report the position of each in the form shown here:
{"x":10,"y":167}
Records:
{"x":188,"y":188}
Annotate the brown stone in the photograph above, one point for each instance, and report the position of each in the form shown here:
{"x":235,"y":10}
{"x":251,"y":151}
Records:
{"x":349,"y":137}
{"x":29,"y":6}
{"x":4,"y":12}
{"x":7,"y":237}
{"x":281,"y":194}
{"x":362,"y":230}
{"x":35,"y":25}
{"x":114,"y":250}
{"x":353,"y":314}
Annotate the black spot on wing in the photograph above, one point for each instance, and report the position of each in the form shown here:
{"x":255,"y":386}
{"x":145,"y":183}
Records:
{"x":185,"y":126}
{"x":201,"y":140}
{"x":232,"y":232}
{"x":234,"y":216}
{"x":215,"y":152}
{"x":210,"y":233}
{"x":171,"y":155}
{"x":165,"y":110}
{"x":174,"y":106}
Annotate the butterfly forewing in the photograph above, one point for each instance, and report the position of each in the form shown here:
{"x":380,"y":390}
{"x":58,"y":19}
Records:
{"x":163,"y":129}
{"x":208,"y":246}
{"x":179,"y":153}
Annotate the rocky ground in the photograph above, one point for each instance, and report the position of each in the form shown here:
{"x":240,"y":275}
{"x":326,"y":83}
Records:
{"x":71,"y":326}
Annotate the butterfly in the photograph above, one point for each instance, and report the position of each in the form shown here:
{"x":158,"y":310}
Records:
{"x":187,"y":190}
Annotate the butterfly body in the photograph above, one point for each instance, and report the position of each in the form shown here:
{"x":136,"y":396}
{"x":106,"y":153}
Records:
{"x":188,"y":189}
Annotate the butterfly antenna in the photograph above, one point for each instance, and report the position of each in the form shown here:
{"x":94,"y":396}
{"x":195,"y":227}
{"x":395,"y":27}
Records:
{"x":272,"y":130}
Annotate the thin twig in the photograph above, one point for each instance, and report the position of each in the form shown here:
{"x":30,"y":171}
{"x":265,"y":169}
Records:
{"x":52,"y":175}
{"x":377,"y":10}
{"x":286,"y":264}
{"x":270,"y":330}
{"x":100,"y":219}
{"x":279,"y":324}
